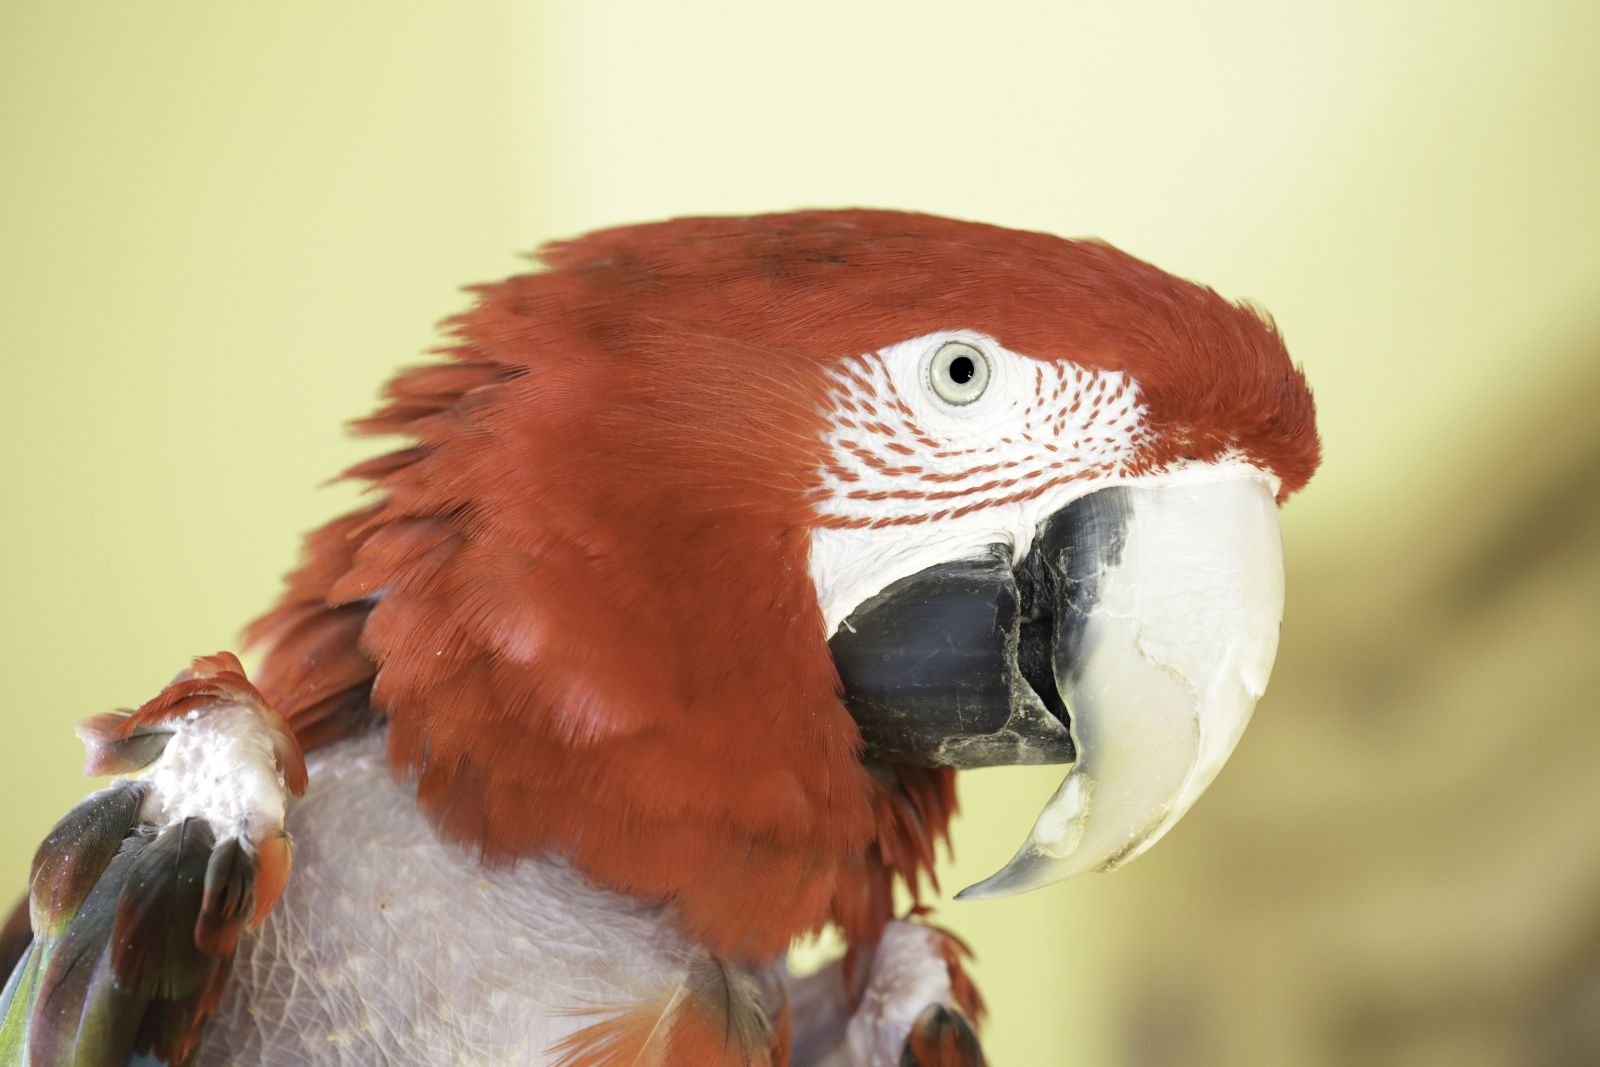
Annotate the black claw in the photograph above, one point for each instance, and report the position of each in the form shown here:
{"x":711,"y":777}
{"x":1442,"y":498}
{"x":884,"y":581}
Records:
{"x":941,"y":1037}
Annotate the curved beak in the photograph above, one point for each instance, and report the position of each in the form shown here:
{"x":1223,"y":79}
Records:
{"x":1179,"y":631}
{"x":1144,"y":621}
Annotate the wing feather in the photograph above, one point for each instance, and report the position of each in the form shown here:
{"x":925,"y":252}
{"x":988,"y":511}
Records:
{"x":137,"y":900}
{"x":714,"y":1016}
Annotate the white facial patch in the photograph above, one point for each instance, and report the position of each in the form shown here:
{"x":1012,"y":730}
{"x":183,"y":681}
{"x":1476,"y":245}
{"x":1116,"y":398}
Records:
{"x":911,"y":480}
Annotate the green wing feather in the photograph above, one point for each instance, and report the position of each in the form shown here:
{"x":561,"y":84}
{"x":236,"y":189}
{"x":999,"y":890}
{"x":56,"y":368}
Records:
{"x":120,"y":913}
{"x":134,"y":926}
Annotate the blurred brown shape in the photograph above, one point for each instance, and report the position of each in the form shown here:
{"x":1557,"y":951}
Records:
{"x":1403,"y":864}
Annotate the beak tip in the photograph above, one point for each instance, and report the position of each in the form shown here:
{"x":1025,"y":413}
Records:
{"x":979,"y":891}
{"x":1027,"y":870}
{"x":1158,"y":702}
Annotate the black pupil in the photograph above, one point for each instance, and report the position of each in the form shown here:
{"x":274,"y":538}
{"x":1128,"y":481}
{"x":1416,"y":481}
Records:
{"x":962,"y":370}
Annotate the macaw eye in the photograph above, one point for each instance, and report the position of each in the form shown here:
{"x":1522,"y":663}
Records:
{"x":958,"y":372}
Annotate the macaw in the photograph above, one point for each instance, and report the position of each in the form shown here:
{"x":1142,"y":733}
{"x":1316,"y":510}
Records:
{"x":717,"y":547}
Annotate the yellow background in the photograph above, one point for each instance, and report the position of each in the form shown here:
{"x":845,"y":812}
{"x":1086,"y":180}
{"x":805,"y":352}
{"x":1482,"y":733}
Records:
{"x":222,"y":225}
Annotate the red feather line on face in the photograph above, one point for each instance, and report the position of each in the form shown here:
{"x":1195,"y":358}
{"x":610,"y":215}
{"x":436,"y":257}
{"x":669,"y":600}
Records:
{"x":878,"y":440}
{"x":583,"y":602}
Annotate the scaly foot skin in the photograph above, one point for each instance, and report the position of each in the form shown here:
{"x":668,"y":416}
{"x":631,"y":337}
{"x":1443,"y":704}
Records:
{"x":914,"y":1010}
{"x":905,"y":1002}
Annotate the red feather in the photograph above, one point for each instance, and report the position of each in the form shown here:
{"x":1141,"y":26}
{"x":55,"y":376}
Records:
{"x":214,"y":679}
{"x":594,"y":632}
{"x":714,"y":1017}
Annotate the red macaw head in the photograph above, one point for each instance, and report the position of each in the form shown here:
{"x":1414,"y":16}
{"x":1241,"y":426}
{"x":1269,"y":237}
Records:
{"x":710,"y":527}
